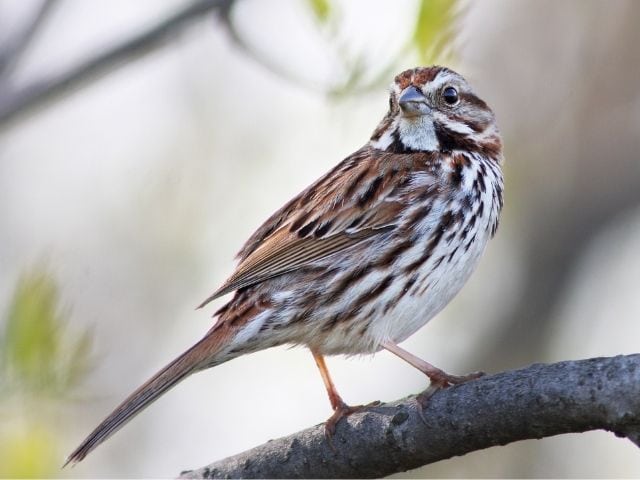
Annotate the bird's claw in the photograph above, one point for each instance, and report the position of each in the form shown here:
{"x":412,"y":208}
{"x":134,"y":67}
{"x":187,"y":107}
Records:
{"x":342,"y":410}
{"x":438,"y":382}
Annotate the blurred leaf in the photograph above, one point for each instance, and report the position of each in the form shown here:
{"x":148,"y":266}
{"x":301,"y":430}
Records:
{"x":435,"y":30}
{"x":78,"y":361}
{"x":40,"y":360}
{"x":28,"y":453}
{"x":36,"y":350}
{"x":321,"y":9}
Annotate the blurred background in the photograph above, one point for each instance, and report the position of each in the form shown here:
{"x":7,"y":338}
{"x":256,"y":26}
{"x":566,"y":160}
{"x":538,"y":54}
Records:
{"x":142,"y":142}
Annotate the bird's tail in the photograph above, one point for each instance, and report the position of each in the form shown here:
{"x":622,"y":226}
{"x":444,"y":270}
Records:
{"x":201,"y":355}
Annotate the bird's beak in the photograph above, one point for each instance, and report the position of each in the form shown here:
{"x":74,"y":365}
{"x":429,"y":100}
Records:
{"x":413,"y":103}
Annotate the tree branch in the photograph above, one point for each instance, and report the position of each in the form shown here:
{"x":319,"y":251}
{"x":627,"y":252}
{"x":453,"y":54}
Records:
{"x":13,"y":49}
{"x":16,"y":103}
{"x":534,"y":402}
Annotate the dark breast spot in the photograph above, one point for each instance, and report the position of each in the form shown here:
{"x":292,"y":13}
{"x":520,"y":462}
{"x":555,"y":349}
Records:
{"x":341,"y":286}
{"x":480,"y":212}
{"x":418,"y":215}
{"x":372,"y":294}
{"x":405,"y":289}
{"x":468,"y":244}
{"x":390,"y":256}
{"x":450,"y":140}
{"x":437,"y":263}
{"x":455,"y":178}
{"x":446,"y":222}
{"x":481,"y":182}
{"x":396,"y":146}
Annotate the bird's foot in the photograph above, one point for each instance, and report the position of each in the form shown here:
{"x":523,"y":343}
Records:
{"x":440,"y":379}
{"x":445,"y":379}
{"x":340,"y":411}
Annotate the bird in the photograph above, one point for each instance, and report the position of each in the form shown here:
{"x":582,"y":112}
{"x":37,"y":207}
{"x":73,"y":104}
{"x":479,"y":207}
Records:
{"x":367,"y":254}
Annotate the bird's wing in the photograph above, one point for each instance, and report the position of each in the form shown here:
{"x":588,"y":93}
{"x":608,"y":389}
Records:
{"x":353,"y":202}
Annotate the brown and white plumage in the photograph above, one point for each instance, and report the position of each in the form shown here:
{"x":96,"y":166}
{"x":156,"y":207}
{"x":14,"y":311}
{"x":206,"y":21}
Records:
{"x":367,"y":254}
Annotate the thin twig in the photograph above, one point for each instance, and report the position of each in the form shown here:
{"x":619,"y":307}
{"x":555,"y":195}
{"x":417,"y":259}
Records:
{"x":534,"y":402}
{"x":14,"y":48}
{"x":263,"y":60}
{"x":14,"y":104}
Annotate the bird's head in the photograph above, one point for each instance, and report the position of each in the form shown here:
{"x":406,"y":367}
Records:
{"x":435,"y":109}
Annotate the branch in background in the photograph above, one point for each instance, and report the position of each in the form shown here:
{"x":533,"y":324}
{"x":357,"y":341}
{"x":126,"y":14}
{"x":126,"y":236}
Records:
{"x":261,"y":59}
{"x":534,"y":402}
{"x":14,"y":104}
{"x":436,"y":22}
{"x":13,"y":49}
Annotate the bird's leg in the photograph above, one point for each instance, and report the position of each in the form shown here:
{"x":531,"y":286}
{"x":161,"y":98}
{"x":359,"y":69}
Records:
{"x":438,"y":378}
{"x":340,"y":408}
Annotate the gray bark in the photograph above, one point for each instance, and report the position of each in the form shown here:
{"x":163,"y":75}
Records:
{"x":534,"y":402}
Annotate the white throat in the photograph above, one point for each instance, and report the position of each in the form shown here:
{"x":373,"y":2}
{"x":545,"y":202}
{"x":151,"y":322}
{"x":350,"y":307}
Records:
{"x":418,"y":133}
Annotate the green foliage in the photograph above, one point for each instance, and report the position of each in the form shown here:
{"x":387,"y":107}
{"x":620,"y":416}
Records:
{"x":435,"y":31}
{"x":28,"y":452}
{"x":37,"y":352}
{"x":41,"y":361}
{"x":321,"y":9}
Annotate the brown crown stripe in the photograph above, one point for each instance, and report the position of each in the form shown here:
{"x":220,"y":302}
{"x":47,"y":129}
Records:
{"x":418,"y":76}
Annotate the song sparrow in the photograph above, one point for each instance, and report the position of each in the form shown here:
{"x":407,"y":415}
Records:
{"x":367,"y":254}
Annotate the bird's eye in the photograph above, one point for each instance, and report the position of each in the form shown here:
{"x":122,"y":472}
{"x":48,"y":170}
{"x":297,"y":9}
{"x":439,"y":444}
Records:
{"x":450,"y":95}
